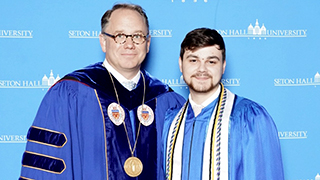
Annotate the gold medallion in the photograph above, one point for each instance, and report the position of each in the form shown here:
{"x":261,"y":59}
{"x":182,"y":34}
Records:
{"x":133,"y":166}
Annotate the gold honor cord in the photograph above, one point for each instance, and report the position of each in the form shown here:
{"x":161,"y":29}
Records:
{"x":220,"y":108}
{"x":132,"y":166}
{"x":174,"y":138}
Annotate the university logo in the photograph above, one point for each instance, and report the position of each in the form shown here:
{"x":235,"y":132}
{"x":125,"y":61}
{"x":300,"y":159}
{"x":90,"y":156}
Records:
{"x":16,"y":34}
{"x":45,"y":82}
{"x":298,"y":81}
{"x":176,"y":82}
{"x":181,"y":83}
{"x":262,"y":32}
{"x":13,"y":139}
{"x":83,"y":34}
{"x":230,"y":81}
{"x":293,"y":135}
{"x":160,"y":33}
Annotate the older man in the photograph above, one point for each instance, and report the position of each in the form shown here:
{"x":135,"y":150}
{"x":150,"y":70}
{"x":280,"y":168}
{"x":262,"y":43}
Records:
{"x":104,"y":121}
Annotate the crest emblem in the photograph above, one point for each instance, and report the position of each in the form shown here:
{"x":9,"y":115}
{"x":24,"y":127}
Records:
{"x":116,"y":113}
{"x":145,"y":114}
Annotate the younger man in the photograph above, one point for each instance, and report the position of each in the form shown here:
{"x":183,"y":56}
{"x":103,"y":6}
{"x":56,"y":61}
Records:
{"x":217,"y":134}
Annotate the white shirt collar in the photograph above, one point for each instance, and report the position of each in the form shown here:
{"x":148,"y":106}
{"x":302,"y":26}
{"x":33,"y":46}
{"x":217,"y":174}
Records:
{"x":119,"y":76}
{"x":208,"y":101}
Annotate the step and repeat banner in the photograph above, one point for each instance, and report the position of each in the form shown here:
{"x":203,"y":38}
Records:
{"x":273,"y":57}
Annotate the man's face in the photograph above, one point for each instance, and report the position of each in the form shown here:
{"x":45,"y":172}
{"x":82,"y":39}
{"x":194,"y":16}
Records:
{"x":202,"y":69}
{"x":127,"y":57}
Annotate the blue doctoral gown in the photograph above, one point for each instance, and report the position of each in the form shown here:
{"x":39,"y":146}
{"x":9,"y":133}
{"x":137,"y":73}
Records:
{"x":254,"y":148}
{"x":72,"y":136}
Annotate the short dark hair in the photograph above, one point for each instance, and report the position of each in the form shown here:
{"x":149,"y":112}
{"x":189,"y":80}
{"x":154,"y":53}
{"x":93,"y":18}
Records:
{"x":105,"y":18}
{"x":202,"y":37}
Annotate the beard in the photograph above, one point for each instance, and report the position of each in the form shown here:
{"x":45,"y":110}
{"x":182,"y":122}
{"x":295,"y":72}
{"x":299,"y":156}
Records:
{"x":201,"y":87}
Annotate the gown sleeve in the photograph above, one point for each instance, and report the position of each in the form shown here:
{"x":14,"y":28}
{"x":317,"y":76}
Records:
{"x":50,"y":153}
{"x":254,"y":148}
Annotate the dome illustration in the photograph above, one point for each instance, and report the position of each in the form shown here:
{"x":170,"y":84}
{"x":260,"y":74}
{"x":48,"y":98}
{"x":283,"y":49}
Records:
{"x":182,"y":80}
{"x":45,"y":80}
{"x":317,"y":77}
{"x":250,"y":29}
{"x":263,"y":30}
{"x":51,"y":80}
{"x":256,"y":29}
{"x":57,"y":78}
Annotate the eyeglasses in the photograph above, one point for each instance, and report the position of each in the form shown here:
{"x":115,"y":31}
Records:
{"x":121,"y":38}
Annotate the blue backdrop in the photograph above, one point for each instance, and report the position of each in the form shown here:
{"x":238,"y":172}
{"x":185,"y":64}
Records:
{"x":272,"y":58}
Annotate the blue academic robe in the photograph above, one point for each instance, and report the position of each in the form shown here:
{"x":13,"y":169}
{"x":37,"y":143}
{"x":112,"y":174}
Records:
{"x":72,"y":136}
{"x":253,"y":144}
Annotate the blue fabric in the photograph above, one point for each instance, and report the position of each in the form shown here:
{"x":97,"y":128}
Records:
{"x":255,"y":151}
{"x":194,"y":139}
{"x":254,"y":148}
{"x":71,"y":107}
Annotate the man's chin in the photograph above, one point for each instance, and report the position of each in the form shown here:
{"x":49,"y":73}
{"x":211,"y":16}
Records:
{"x":201,"y":88}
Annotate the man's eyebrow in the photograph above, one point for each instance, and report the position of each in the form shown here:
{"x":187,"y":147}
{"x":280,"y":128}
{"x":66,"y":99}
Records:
{"x":122,"y":32}
{"x":209,"y":57}
{"x":213,"y":57}
{"x":191,"y":56}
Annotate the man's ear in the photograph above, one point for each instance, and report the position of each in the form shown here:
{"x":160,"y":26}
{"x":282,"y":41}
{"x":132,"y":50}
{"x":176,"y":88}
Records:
{"x":148,"y":41}
{"x":224,"y":66}
{"x":102,"y":42}
{"x":180,"y":64}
